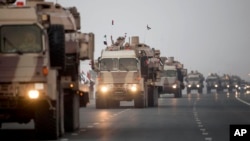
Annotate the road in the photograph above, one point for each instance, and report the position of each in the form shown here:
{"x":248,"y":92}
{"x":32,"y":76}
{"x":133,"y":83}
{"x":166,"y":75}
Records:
{"x":195,"y":117}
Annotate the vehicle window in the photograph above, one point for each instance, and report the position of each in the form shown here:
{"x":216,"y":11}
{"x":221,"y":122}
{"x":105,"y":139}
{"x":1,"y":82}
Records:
{"x":20,"y":39}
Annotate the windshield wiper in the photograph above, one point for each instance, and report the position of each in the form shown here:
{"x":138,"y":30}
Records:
{"x":124,"y":67}
{"x":6,"y":40}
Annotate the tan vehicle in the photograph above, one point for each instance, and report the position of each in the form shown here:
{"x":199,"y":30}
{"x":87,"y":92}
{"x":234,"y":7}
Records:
{"x":40,"y":49}
{"x":195,"y":81}
{"x":127,"y":73}
{"x":172,"y":77}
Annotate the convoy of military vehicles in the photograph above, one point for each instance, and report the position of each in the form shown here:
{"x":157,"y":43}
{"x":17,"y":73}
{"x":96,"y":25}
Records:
{"x":40,"y":77}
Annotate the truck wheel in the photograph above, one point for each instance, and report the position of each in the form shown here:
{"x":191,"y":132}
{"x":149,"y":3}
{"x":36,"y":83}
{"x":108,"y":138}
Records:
{"x":178,"y":93}
{"x":71,"y":110}
{"x":208,"y":90}
{"x":100,"y":103}
{"x":150,"y":94}
{"x":200,"y":91}
{"x":46,"y":123}
{"x":139,"y":101}
{"x":57,"y":45}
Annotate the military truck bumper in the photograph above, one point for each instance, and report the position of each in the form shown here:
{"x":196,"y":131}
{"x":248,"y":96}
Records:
{"x":18,"y":109}
{"x":119,"y":92}
{"x":194,"y":86}
{"x":18,"y":102}
{"x":170,"y":88}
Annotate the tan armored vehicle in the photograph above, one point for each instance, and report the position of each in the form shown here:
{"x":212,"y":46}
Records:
{"x":172,"y":77}
{"x":40,"y":49}
{"x":127,"y":73}
{"x":213,"y":82}
{"x":194,"y":81}
{"x":225,"y":82}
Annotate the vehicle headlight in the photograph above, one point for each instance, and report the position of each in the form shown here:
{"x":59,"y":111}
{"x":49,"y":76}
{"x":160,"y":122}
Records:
{"x":216,"y":85}
{"x":104,"y":89}
{"x":33,"y":94}
{"x":189,"y":85}
{"x":198,"y":85}
{"x":132,"y":87}
{"x":228,"y":86}
{"x":236,"y":86}
{"x":174,"y":86}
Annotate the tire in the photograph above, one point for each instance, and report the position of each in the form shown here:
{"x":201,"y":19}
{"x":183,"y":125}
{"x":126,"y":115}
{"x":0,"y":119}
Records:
{"x":208,"y":90}
{"x":100,"y":103}
{"x":57,"y":46}
{"x":178,"y":93}
{"x":46,"y":124}
{"x":71,"y":111}
{"x":200,"y":91}
{"x":152,"y":96}
{"x":139,"y":101}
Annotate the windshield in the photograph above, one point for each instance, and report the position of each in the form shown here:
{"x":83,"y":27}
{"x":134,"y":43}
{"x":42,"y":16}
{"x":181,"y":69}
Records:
{"x":20,"y":39}
{"x":169,"y":73}
{"x":125,"y":64}
{"x":193,"y":79}
{"x":109,"y":64}
{"x":128,"y":64}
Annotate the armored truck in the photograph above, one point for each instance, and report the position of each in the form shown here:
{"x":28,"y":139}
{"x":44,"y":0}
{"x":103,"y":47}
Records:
{"x":40,"y":48}
{"x":127,"y":73}
{"x":225,"y":82}
{"x":213,"y":82}
{"x":235,"y":83}
{"x":194,"y":81}
{"x":171,"y":77}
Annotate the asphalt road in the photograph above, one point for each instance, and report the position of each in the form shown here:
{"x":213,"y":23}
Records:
{"x":194,"y":117}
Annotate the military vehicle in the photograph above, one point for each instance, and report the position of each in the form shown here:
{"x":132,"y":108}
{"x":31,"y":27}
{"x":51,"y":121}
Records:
{"x":235,"y":82}
{"x":40,"y":81}
{"x":225,"y":82}
{"x":213,"y":82}
{"x":127,"y":73}
{"x":194,"y":81}
{"x":171,"y":77}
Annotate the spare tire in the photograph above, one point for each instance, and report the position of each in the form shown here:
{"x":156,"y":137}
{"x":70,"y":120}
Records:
{"x":57,"y":46}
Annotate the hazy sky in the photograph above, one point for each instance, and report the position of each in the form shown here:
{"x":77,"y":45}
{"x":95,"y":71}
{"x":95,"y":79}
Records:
{"x":205,"y":35}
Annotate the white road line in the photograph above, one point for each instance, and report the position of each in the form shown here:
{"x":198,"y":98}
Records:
{"x":64,"y":139}
{"x":96,"y":123}
{"x":90,"y":126}
{"x":204,"y":133}
{"x":242,"y":101}
{"x":203,"y":129}
{"x":208,"y":139}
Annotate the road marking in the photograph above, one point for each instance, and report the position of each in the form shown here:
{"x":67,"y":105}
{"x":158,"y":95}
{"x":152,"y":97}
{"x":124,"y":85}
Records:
{"x":203,"y":129}
{"x":208,"y":139}
{"x":204,"y":133}
{"x":200,"y":125}
{"x":90,"y":126}
{"x":96,"y":123}
{"x":242,"y":101}
{"x":64,"y":139}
